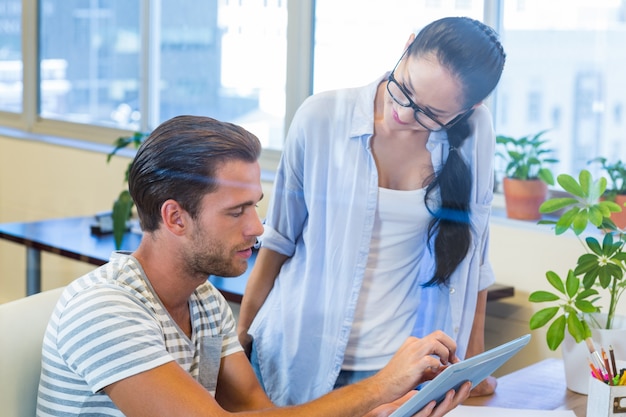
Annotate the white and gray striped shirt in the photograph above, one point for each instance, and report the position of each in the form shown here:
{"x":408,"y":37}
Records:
{"x":109,"y":325}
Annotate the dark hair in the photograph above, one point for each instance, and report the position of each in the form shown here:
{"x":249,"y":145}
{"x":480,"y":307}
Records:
{"x":471,"y":51}
{"x":179,"y":161}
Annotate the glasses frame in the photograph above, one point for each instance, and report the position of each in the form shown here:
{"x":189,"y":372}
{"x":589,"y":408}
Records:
{"x":417,"y":109}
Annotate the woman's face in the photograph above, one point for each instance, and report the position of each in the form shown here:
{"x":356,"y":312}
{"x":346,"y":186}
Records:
{"x":426,"y":90}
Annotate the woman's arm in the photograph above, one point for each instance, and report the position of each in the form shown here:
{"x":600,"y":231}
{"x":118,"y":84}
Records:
{"x":477,"y":345}
{"x":261,"y":280}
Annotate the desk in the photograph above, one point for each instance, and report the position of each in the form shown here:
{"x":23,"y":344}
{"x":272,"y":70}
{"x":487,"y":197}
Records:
{"x":72,"y":238}
{"x":540,"y":386}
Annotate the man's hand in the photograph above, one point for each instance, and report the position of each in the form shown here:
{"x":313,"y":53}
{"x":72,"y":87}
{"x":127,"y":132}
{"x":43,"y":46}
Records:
{"x":416,"y":361}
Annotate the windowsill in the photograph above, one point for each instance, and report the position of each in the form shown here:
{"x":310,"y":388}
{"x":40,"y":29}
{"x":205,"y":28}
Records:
{"x":84,"y":145}
{"x":267,"y":175}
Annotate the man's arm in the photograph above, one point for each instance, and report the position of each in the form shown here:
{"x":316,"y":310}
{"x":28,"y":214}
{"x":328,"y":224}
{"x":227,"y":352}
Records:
{"x":476,"y":344}
{"x":238,"y":388}
{"x":168,"y":390}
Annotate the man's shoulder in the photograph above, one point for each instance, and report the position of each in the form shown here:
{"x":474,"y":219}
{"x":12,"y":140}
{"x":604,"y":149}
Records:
{"x":119,"y":278}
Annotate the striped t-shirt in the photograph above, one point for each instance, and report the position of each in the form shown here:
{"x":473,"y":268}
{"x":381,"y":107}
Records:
{"x":109,"y":325}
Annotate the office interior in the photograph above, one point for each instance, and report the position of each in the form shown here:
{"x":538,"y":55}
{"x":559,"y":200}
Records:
{"x":50,"y":169}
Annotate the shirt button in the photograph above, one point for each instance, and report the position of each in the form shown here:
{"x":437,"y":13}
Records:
{"x":452,"y":290}
{"x":456,"y":329}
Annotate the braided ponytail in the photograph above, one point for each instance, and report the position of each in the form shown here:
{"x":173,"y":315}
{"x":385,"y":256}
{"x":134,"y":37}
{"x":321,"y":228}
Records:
{"x":471,"y":51}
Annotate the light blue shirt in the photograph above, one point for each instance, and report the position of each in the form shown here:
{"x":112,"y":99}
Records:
{"x":322,"y":215}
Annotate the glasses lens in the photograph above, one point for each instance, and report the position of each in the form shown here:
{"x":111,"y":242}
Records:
{"x":427,"y":122}
{"x":397,"y":94}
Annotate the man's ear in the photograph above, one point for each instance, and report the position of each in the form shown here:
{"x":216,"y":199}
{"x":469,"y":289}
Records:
{"x":174,"y":217}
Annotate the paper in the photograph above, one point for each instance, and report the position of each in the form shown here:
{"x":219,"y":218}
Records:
{"x":480,"y":411}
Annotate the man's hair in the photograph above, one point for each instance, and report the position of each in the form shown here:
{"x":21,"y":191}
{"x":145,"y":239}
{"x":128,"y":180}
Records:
{"x":179,"y":161}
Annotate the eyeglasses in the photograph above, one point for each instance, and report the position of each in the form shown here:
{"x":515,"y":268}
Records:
{"x":422,"y":116}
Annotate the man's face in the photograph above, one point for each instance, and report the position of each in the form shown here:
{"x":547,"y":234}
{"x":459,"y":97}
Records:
{"x":227,"y":223}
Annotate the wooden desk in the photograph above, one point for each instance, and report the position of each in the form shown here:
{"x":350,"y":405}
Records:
{"x":72,"y":238}
{"x":540,"y":386}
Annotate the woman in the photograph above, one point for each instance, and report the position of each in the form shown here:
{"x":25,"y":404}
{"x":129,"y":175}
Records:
{"x":379,"y":221}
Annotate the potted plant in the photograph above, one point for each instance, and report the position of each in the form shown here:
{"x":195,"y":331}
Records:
{"x":526,"y":175}
{"x":597,"y":278}
{"x":123,"y":204}
{"x":616,"y":189}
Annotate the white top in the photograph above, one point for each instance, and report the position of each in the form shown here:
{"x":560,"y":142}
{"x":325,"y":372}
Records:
{"x":387,"y":304}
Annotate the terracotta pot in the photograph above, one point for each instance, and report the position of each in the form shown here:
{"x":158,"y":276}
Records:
{"x":523,"y":198}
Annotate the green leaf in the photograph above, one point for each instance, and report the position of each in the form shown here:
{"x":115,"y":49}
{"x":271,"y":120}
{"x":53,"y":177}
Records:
{"x":594,"y":245}
{"x":555,"y":204}
{"x":546,"y":175}
{"x":556,"y":333}
{"x":542,"y":317}
{"x":542,"y":296}
{"x":555,"y":281}
{"x":572,"y":284}
{"x":585,"y":180}
{"x":580,"y":222}
{"x":575,"y":328}
{"x":566,"y":220}
{"x":121,"y":213}
{"x":586,"y":293}
{"x":595,"y":215}
{"x":610,"y":206}
{"x":570,"y":185}
{"x":586,"y":306}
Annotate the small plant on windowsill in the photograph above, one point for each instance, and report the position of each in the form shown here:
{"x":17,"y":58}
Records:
{"x":599,"y":270}
{"x":123,"y":204}
{"x":527,"y":173}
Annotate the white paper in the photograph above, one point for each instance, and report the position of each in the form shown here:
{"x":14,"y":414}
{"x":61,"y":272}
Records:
{"x":482,"y":411}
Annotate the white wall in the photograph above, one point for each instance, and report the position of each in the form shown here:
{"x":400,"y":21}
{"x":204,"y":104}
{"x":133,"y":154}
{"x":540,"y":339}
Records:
{"x":41,"y":181}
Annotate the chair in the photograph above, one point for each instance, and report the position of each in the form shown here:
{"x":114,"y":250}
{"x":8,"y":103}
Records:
{"x":22,"y":326}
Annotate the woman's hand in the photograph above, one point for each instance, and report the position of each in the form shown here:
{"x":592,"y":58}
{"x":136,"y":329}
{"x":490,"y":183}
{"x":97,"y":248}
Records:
{"x":451,"y":401}
{"x":486,"y":387}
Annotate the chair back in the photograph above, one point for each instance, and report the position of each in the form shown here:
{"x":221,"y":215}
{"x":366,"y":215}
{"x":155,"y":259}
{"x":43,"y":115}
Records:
{"x":22,"y":326}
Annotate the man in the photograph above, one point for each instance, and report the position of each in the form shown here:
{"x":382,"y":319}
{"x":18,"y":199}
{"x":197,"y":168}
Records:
{"x":147,"y":335}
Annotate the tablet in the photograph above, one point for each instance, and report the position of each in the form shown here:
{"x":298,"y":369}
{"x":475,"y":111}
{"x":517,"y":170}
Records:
{"x":474,"y":369}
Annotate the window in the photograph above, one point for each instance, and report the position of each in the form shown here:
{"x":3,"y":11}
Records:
{"x":534,"y":107}
{"x":566,"y":57}
{"x":103,"y":64}
{"x":10,"y":56}
{"x":132,"y":65}
{"x":97,"y":78}
{"x":353,"y":49}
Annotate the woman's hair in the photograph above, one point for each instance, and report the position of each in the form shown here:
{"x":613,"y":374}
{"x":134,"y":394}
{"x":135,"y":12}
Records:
{"x":179,"y":161}
{"x":472,"y":53}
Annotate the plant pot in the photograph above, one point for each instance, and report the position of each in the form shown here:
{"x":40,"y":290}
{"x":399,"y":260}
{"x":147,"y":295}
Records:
{"x":576,"y":355}
{"x":523,"y":198}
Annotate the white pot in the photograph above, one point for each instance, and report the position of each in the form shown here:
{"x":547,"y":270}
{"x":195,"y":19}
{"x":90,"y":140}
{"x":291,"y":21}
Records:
{"x":575,"y":355}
